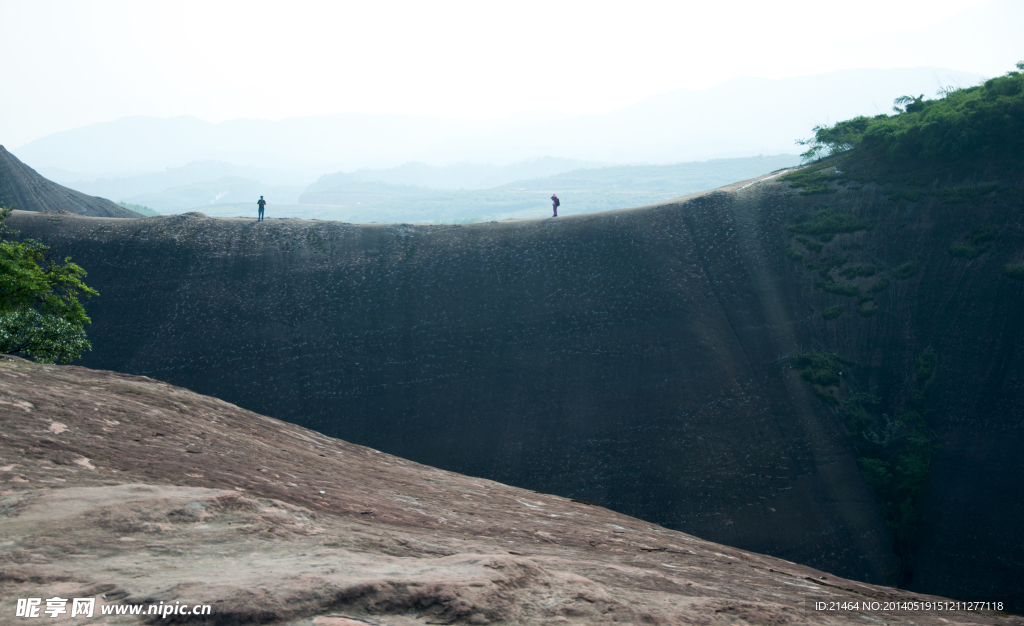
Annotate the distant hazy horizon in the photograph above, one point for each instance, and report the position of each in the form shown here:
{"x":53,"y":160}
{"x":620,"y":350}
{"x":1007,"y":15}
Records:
{"x":741,"y":117}
{"x":70,"y":64}
{"x":458,"y":193}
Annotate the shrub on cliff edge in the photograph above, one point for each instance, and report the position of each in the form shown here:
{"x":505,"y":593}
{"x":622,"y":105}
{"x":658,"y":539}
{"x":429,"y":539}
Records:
{"x":40,"y":315}
{"x":982,"y":121}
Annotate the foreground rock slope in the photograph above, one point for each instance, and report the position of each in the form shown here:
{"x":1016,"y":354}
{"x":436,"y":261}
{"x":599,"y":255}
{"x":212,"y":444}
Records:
{"x":22,"y":187}
{"x":137,"y":492}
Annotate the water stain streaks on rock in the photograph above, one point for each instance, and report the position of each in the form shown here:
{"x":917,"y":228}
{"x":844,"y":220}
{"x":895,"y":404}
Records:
{"x":637,"y":359}
{"x":615,"y":358}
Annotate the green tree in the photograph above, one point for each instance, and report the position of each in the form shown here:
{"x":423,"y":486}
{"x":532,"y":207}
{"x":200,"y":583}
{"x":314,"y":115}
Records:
{"x":982,"y":121}
{"x":40,"y":315}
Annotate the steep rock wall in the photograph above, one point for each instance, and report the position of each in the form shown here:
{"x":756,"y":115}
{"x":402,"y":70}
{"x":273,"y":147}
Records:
{"x":638,"y":358}
{"x":625,"y":358}
{"x":970,"y":313}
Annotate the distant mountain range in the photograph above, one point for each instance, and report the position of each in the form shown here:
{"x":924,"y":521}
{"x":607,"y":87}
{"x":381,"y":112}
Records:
{"x":201,"y":184}
{"x":388,"y":167}
{"x":740,"y":117}
{"x":363,"y":196}
{"x":463,"y":175}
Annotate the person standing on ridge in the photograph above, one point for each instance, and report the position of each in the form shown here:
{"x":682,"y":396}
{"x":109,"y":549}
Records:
{"x":262,"y":203}
{"x":555,"y":204}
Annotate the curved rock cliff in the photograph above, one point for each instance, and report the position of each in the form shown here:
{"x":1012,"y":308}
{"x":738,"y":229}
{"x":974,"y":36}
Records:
{"x":640,"y":359}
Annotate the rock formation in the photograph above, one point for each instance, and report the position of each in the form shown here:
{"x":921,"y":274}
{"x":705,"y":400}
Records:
{"x":23,"y":188}
{"x":136,"y":493}
{"x":592,"y":357}
{"x":640,"y":359}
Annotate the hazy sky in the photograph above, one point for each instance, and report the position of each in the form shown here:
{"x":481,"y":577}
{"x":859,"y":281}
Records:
{"x":65,"y":64}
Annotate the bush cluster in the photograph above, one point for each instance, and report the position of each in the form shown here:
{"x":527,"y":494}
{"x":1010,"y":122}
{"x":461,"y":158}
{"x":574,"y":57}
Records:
{"x":1014,"y":271}
{"x":977,"y":242}
{"x":982,"y":121}
{"x":826,"y":224}
{"x":40,"y":315}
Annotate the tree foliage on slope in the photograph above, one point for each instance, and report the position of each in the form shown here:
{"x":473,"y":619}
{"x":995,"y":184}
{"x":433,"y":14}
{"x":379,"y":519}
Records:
{"x":894,"y":453}
{"x":40,"y":314}
{"x":982,"y":121}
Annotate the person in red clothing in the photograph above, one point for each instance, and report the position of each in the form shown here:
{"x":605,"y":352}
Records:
{"x":554,"y":204}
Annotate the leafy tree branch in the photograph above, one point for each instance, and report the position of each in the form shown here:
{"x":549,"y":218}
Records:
{"x":40,"y":313}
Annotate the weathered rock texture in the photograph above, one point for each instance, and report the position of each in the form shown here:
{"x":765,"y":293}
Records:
{"x":637,"y":358}
{"x":22,"y":187}
{"x":137,"y":492}
{"x":597,"y":358}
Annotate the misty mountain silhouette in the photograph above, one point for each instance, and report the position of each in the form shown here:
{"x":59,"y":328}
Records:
{"x":738,"y":118}
{"x":22,"y":187}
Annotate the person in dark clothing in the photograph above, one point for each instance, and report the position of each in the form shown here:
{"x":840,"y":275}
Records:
{"x":262,"y":203}
{"x":555,"y":204}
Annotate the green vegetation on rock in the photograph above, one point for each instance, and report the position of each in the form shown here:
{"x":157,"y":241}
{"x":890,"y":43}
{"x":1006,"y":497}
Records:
{"x":857,"y":271}
{"x":826,"y":224}
{"x":820,"y":368}
{"x":959,"y":157}
{"x":910,"y":195}
{"x":810,"y":245}
{"x":839,"y":289}
{"x":955,"y":195}
{"x":40,"y":315}
{"x":926,"y":365}
{"x":894,"y":456}
{"x":1014,"y":271}
{"x":825,"y":266}
{"x":832,"y":312}
{"x":865,"y":311}
{"x":894,"y":453}
{"x":905,"y":271}
{"x":813,"y":182}
{"x":961,"y":195}
{"x":976,"y":243}
{"x":987,"y":120}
